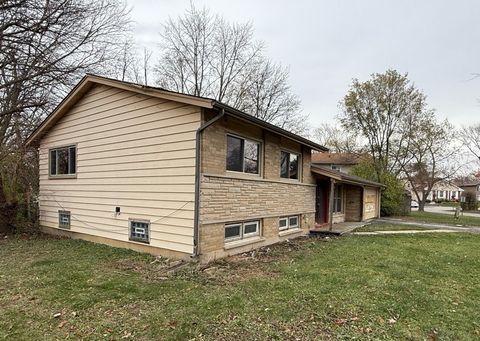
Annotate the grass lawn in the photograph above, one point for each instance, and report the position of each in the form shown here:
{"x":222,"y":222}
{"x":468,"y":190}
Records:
{"x":388,"y":227}
{"x":440,"y":218}
{"x":369,"y":287}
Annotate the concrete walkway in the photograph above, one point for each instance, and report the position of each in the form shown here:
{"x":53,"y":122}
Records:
{"x":339,"y":228}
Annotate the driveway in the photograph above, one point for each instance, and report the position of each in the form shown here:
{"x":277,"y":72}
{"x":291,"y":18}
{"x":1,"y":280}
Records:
{"x":446,"y":210}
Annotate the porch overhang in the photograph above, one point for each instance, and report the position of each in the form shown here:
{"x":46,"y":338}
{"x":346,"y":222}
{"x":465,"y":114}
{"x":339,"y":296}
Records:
{"x":341,"y":177}
{"x":354,"y":197}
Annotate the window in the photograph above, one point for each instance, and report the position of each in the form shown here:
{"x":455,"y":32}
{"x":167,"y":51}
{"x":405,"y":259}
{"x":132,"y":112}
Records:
{"x":288,"y":223}
{"x":63,"y":161}
{"x":337,"y":199}
{"x":242,"y":155}
{"x":337,"y":168}
{"x":289,"y":165}
{"x":140,"y":231}
{"x":64,"y":219}
{"x":242,"y":230}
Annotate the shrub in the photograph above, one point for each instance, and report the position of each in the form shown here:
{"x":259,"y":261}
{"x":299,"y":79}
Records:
{"x":393,"y":199}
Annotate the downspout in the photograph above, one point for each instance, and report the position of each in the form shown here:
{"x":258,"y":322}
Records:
{"x":198,"y":146}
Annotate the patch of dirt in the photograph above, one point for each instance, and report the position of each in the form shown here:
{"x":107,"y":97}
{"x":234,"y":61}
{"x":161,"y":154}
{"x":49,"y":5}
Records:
{"x":254,"y":264}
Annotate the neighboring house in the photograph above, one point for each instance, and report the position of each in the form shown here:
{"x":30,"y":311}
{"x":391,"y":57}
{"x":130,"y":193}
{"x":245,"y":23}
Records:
{"x":179,"y":175}
{"x":441,"y":191}
{"x":342,"y":162}
{"x":472,"y":187}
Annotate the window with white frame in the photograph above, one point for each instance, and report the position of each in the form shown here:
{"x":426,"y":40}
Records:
{"x":338,"y":199}
{"x":289,"y":165}
{"x":288,"y":223}
{"x":64,"y":219}
{"x":242,"y":155}
{"x":238,"y":231}
{"x":140,"y":231}
{"x":63,"y":161}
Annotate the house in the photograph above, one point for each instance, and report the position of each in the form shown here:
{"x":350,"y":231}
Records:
{"x":472,"y":187}
{"x":441,"y":191}
{"x":337,"y":161}
{"x":179,"y":175}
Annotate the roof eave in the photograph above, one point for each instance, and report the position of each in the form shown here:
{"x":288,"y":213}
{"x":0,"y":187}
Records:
{"x":88,"y":81}
{"x":268,"y":126}
{"x":345,"y":178}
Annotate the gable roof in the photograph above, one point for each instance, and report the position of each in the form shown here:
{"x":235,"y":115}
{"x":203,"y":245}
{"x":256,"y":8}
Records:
{"x":337,"y":158}
{"x":88,"y":81}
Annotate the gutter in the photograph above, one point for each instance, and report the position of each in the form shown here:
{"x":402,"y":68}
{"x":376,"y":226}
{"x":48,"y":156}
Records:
{"x":198,"y":142}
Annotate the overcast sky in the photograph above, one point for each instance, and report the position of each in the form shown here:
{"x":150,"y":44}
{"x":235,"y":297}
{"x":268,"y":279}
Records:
{"x":327,"y":43}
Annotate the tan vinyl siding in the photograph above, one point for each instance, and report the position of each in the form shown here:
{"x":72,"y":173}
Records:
{"x":133,"y":151}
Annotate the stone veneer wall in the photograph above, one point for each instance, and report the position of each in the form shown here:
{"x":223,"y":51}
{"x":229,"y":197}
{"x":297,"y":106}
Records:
{"x":226,"y":199}
{"x":234,"y":197}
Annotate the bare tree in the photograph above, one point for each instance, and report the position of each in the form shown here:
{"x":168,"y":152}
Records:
{"x":338,"y":140}
{"x":431,"y":157}
{"x":384,"y":111}
{"x":470,"y":137}
{"x":204,"y":55}
{"x":45,"y":47}
{"x":132,"y":64}
{"x":264,"y":92}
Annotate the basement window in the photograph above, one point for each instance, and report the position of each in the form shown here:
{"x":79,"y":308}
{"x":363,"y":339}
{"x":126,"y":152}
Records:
{"x":288,"y":223}
{"x":140,"y":231}
{"x":64,"y":219}
{"x":238,"y":231}
{"x":63,"y":161}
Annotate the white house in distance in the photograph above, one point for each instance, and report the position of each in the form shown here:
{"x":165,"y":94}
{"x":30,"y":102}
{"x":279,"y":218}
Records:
{"x":441,"y":191}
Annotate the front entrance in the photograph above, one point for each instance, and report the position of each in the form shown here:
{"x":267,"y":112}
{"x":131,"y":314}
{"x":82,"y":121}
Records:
{"x":321,"y":202}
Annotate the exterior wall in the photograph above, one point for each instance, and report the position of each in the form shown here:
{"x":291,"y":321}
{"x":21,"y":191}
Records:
{"x":353,"y":203}
{"x":213,"y":245}
{"x":133,"y":151}
{"x":371,"y":207}
{"x":227,"y":197}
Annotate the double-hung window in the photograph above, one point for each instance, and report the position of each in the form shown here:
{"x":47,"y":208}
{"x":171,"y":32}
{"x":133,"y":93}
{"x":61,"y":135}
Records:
{"x":243,"y":230}
{"x":288,"y":223}
{"x":289,"y":165}
{"x":63,"y":161}
{"x":242,"y":155}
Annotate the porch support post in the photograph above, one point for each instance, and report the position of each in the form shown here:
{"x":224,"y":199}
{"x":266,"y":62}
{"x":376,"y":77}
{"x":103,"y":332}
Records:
{"x":330,"y":204}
